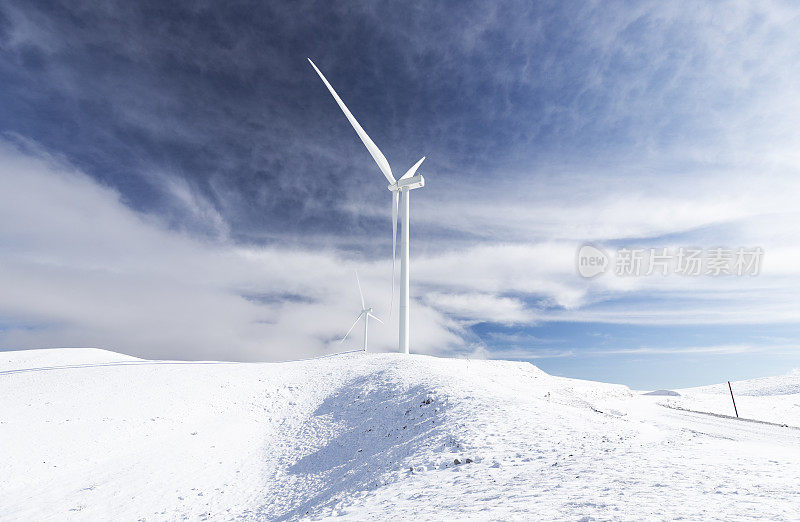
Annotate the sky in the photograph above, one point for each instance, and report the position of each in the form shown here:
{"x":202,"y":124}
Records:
{"x":176,"y":182}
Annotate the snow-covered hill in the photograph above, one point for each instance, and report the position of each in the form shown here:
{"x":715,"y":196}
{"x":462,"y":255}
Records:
{"x":788,"y":384}
{"x":771,"y":399}
{"x":96,"y":435}
{"x":41,"y":359}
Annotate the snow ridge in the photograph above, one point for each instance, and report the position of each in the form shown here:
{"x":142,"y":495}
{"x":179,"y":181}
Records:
{"x":374,"y":437}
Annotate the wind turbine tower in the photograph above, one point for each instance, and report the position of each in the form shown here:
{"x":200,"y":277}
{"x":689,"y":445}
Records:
{"x":401,"y":195}
{"x":366,"y":313}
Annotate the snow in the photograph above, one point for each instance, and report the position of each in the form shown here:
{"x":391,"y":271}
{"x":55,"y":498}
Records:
{"x":88,"y":434}
{"x":788,"y":384}
{"x":770,"y":399}
{"x":39,"y":359}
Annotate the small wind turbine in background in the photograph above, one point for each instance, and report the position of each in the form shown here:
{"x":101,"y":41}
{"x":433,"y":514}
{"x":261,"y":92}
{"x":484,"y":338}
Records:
{"x":366,"y":313}
{"x":401,"y":193}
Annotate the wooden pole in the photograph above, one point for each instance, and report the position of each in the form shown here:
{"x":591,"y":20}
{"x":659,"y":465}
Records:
{"x":734,"y":400}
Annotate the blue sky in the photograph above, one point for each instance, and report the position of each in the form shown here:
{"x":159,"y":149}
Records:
{"x":176,"y":181}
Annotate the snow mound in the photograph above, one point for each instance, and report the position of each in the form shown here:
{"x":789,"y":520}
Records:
{"x":94,"y":435}
{"x":51,"y":357}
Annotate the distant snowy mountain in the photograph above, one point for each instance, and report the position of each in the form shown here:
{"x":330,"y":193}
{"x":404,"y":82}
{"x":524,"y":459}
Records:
{"x":88,"y":434}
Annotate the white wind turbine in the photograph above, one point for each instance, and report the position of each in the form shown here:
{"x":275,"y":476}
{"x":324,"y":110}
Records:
{"x":401,"y":191}
{"x":366,"y":313}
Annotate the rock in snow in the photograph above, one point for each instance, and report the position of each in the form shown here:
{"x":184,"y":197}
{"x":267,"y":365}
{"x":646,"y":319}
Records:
{"x":92,"y":435}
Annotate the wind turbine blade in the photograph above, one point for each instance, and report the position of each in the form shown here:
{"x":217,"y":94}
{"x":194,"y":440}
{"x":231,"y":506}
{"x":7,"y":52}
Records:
{"x":351,"y":328}
{"x":375,"y":317}
{"x":395,"y":204}
{"x":373,"y":149}
{"x":363,"y":306}
{"x":410,"y":172}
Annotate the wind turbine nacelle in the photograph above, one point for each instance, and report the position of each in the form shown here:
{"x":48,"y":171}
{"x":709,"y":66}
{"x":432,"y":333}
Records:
{"x":409,"y":184}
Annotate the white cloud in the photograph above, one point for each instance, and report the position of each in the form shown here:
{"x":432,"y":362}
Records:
{"x":697,"y":105}
{"x":532,"y":353}
{"x":476,"y":307}
{"x":721,"y":349}
{"x":79,"y":268}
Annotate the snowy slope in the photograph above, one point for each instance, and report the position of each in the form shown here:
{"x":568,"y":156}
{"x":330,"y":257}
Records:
{"x":39,"y":359}
{"x":368,"y":436}
{"x":788,"y":384}
{"x":772,"y":399}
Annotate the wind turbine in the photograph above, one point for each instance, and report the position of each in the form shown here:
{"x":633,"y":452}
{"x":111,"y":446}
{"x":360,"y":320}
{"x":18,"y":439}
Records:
{"x":401,"y":192}
{"x":366,"y":313}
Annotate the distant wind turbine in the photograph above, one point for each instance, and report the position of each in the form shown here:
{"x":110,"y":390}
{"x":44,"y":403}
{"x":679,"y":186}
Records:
{"x":366,"y":313}
{"x":400,"y":189}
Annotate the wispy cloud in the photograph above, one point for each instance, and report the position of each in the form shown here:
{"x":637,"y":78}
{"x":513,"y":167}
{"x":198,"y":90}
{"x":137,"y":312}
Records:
{"x":475,"y":307}
{"x":194,"y":192}
{"x":80,"y":268}
{"x":483,"y":352}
